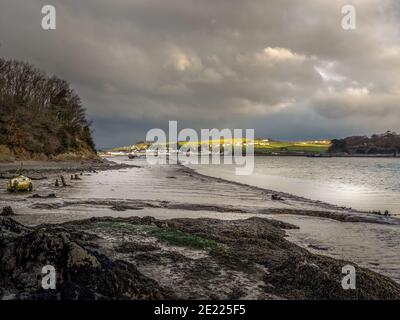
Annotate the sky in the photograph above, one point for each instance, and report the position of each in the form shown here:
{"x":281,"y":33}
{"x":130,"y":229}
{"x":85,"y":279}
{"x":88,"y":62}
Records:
{"x":286,"y":68}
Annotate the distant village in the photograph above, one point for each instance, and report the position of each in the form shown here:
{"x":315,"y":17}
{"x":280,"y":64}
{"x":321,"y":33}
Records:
{"x":261,"y":145}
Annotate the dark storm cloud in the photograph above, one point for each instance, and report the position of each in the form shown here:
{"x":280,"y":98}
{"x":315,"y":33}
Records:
{"x":283,"y":67}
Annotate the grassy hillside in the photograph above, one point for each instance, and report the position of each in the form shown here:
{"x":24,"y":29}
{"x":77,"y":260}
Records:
{"x":261,"y":146}
{"x":41,"y":117}
{"x":301,"y":147}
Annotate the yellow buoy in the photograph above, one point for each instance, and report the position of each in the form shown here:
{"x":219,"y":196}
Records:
{"x":20,"y":183}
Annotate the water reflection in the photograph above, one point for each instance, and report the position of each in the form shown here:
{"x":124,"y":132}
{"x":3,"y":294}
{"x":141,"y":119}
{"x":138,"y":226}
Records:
{"x":373,"y":246}
{"x":360,"y":183}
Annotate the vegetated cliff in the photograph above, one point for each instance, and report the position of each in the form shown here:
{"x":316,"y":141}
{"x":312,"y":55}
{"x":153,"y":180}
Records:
{"x":386,"y":143}
{"x":41,"y":117}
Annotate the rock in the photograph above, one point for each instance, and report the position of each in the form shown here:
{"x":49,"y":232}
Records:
{"x":50,"y":195}
{"x":64,"y":184}
{"x":79,"y":257}
{"x":118,"y":207}
{"x":11,"y":225}
{"x":315,"y":247}
{"x":90,"y":267}
{"x":81,"y":273}
{"x":276,"y":197}
{"x":7,"y":211}
{"x":148,"y":220}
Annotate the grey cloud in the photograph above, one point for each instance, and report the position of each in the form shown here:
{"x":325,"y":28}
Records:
{"x":140,"y":63}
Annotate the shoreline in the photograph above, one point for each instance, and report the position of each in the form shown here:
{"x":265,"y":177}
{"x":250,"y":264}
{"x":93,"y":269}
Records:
{"x":328,"y":155}
{"x":332,"y":211}
{"x":112,"y":242}
{"x":291,"y":204}
{"x":56,"y":167}
{"x":47,"y":170}
{"x":308,"y":155}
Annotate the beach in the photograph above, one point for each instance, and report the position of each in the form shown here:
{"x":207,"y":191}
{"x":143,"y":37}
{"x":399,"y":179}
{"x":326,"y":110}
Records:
{"x":191,"y":233}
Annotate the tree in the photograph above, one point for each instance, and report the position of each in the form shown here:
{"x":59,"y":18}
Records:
{"x":40,"y":106}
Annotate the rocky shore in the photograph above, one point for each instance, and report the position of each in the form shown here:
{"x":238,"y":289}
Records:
{"x":146,"y":258}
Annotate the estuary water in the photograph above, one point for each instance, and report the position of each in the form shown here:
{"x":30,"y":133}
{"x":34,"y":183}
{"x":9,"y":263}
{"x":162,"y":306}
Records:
{"x":367,"y":184}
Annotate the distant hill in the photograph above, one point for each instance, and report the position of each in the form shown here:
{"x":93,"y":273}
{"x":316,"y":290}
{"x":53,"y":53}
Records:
{"x":261,"y":146}
{"x":41,"y":117}
{"x":386,"y":143}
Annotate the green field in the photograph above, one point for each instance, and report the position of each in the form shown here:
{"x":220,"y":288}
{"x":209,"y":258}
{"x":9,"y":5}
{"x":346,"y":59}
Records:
{"x":271,"y":147}
{"x":302,"y":147}
{"x":261,"y":146}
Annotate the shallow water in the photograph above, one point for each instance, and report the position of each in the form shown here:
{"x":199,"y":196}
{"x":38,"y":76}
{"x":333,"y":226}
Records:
{"x":376,"y":247}
{"x":360,"y":183}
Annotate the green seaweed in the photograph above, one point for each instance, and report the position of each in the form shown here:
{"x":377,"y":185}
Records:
{"x":183,"y":239}
{"x":170,"y":235}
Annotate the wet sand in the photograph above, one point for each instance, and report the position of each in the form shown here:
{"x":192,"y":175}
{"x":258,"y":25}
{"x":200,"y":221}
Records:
{"x":134,"y":188}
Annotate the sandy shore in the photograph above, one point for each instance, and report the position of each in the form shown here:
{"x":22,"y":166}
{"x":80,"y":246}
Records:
{"x":133,"y":185}
{"x":181,"y":254}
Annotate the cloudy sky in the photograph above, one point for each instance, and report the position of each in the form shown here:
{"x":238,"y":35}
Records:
{"x":286,"y":68}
